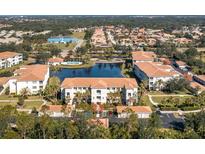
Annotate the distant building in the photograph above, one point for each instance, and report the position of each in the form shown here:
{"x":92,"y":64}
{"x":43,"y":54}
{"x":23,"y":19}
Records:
{"x":200,"y":79}
{"x":156,"y":73}
{"x":99,"y":89}
{"x":8,"y":59}
{"x":181,"y":65}
{"x":57,"y":110}
{"x":32,"y":77}
{"x":143,"y":56}
{"x":197,"y":86}
{"x":98,"y":39}
{"x":55,"y":61}
{"x":140,"y":111}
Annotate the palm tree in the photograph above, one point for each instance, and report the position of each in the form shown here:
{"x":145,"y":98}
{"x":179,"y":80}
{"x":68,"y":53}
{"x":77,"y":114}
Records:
{"x":142,"y":91}
{"x":159,"y":84}
{"x":25,"y":92}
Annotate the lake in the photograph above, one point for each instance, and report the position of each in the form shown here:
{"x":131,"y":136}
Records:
{"x":98,"y":70}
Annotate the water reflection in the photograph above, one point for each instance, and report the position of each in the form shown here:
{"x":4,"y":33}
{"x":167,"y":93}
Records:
{"x":98,"y":70}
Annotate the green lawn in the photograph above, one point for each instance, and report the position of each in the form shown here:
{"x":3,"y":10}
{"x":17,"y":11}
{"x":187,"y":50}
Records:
{"x":63,"y":46}
{"x":8,"y":97}
{"x":159,"y":99}
{"x":2,"y":104}
{"x":147,"y":102}
{"x":30,"y":105}
{"x":27,"y":105}
{"x":79,"y":35}
{"x":186,"y":92}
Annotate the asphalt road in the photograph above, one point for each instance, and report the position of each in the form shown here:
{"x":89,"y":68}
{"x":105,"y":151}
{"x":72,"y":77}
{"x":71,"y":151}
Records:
{"x":169,"y":120}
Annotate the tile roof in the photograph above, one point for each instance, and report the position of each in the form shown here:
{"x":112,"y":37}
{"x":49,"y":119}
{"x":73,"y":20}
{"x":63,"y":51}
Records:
{"x":58,"y":108}
{"x":53,"y":60}
{"x":136,"y":109}
{"x":128,"y":83}
{"x":201,"y":77}
{"x":8,"y":54}
{"x":143,"y":55}
{"x":31,"y":73}
{"x":100,"y":121}
{"x":156,"y":69}
{"x":4,"y":80}
{"x":181,"y":63}
{"x":196,"y":84}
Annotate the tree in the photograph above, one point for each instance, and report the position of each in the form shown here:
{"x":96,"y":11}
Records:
{"x":52,"y":88}
{"x":44,"y":122}
{"x":118,"y":131}
{"x":155,"y":121}
{"x":191,"y":52}
{"x":131,"y":125}
{"x":43,"y":57}
{"x":24,"y":124}
{"x":7,"y":115}
{"x":11,"y":134}
{"x":196,"y":123}
{"x":21,"y":101}
{"x":142,"y":91}
{"x":71,"y":130}
{"x":176,"y":85}
{"x":98,"y":132}
{"x":24,"y":93}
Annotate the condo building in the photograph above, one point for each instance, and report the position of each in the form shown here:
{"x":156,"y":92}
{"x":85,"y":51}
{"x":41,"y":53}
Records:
{"x":32,"y":77}
{"x":156,"y":73}
{"x":8,"y":59}
{"x":100,"y":89}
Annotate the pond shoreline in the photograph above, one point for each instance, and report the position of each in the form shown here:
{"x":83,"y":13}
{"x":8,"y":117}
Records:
{"x":94,"y":70}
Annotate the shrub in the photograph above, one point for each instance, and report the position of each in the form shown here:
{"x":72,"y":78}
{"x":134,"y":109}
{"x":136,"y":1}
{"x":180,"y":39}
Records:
{"x":168,"y":108}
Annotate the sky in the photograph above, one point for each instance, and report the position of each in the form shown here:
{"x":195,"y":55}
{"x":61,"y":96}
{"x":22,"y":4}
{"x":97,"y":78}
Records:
{"x":102,"y":7}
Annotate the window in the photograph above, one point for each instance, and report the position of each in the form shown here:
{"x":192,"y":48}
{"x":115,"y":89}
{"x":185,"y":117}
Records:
{"x":68,"y":94}
{"x":41,"y":82}
{"x":75,"y":88}
{"x":34,"y":82}
{"x":98,"y":97}
{"x":113,"y":88}
{"x":129,"y":94}
{"x":108,"y":88}
{"x":99,"y":91}
{"x":34,"y":87}
{"x":151,"y":78}
{"x":84,"y":88}
{"x":41,"y":87}
{"x":151,"y":83}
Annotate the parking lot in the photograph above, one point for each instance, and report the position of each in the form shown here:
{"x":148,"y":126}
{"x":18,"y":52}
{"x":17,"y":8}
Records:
{"x":170,"y":120}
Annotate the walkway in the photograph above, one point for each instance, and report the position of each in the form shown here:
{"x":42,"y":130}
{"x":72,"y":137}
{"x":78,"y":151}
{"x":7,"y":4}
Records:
{"x":16,"y":100}
{"x":64,"y":52}
{"x":171,"y":112}
{"x":172,"y":95}
{"x":79,"y":44}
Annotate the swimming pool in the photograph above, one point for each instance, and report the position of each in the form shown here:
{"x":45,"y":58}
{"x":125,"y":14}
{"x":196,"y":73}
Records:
{"x":62,"y":39}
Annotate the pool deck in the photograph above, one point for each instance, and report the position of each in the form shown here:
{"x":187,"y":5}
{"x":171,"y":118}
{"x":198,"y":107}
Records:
{"x":110,"y":62}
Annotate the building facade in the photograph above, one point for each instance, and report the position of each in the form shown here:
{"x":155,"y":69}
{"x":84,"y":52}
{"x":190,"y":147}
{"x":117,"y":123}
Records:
{"x":140,"y":111}
{"x":32,"y":77}
{"x":156,"y":73}
{"x":8,"y":59}
{"x":100,"y":90}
